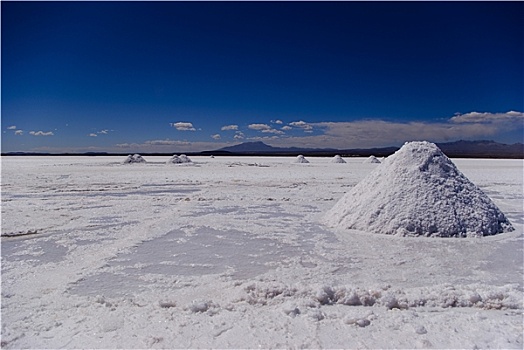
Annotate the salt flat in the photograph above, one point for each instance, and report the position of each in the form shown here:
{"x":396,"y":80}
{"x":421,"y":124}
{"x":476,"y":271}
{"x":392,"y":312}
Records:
{"x":229,"y":252}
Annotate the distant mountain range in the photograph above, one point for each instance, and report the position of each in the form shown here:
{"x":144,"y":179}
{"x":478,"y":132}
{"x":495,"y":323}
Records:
{"x":261,"y":147}
{"x":457,"y":149}
{"x":482,"y":149}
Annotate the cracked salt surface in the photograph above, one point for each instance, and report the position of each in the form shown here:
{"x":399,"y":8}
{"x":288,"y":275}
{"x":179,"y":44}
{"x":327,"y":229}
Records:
{"x":240,"y":260}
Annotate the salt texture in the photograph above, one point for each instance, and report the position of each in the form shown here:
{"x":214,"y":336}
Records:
{"x":225,"y":255}
{"x":300,"y":159}
{"x":372,"y":160}
{"x":136,"y":158}
{"x":337,"y":159}
{"x":418,"y":191}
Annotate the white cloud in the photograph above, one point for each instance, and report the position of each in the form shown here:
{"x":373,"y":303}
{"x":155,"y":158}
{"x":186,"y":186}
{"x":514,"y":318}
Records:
{"x":382,"y":133}
{"x":12,"y":127}
{"x":152,"y":146}
{"x":259,"y":126}
{"x":343,"y":135}
{"x":229,"y":127}
{"x":216,"y":136}
{"x":101,"y":132}
{"x":303,"y":125}
{"x":262,"y":138}
{"x":379,"y":133}
{"x":166,"y":142}
{"x":486,"y":117}
{"x":183,"y":126}
{"x":265,"y":129}
{"x":278,"y":121}
{"x":127,"y":145}
{"x":41,"y":133}
{"x":298,"y":124}
{"x":273,"y":131}
{"x":164,"y":146}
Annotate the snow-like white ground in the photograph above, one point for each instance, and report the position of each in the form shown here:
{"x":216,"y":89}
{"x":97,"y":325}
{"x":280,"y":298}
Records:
{"x":229,"y":253}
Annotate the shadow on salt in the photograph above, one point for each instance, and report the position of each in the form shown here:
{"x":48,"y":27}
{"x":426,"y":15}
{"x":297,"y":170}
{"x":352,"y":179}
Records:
{"x":103,"y":193}
{"x":36,"y":251}
{"x":235,"y":254}
{"x":262,"y":211}
{"x":208,"y":251}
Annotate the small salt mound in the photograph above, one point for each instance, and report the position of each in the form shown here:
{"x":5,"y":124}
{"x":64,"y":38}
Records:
{"x":300,"y":159}
{"x":135,"y":158}
{"x":185,"y":159}
{"x":174,"y":160}
{"x":337,"y":159}
{"x":371,"y":160}
{"x":418,"y":191}
{"x":179,"y":159}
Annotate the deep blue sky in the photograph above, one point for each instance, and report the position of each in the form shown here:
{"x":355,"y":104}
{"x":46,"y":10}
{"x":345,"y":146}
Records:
{"x":122,"y":76}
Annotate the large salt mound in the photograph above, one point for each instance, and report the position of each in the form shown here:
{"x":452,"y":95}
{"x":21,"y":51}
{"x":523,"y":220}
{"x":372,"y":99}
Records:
{"x":418,"y":191}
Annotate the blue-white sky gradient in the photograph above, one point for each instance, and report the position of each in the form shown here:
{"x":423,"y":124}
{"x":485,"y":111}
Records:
{"x":192,"y":76}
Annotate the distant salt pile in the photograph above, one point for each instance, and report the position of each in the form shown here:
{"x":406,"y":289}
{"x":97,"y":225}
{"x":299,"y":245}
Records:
{"x":301,"y":159}
{"x":179,"y":159}
{"x":185,"y":159}
{"x":174,"y":160}
{"x":135,"y":158}
{"x":337,"y":159}
{"x":418,"y":191}
{"x":371,"y":160}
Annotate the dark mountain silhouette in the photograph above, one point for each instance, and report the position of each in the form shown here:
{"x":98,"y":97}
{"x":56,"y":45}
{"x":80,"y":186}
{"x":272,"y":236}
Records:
{"x":259,"y":147}
{"x":482,"y":149}
{"x":464,"y":149}
{"x":456,"y":149}
{"x":251,"y":147}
